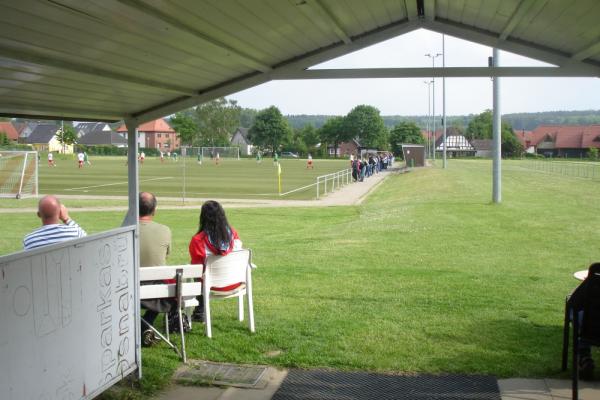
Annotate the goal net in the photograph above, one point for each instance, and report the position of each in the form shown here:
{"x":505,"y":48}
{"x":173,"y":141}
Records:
{"x":211,"y":153}
{"x":18,"y":174}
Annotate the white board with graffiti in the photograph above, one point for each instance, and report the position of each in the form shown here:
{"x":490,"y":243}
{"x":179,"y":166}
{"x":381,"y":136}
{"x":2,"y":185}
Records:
{"x":67,"y":317}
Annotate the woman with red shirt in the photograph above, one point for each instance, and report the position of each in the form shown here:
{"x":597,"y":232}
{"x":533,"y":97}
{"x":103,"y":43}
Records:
{"x":215,"y":236}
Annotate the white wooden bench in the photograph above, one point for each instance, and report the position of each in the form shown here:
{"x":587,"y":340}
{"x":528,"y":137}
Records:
{"x":184,"y":293}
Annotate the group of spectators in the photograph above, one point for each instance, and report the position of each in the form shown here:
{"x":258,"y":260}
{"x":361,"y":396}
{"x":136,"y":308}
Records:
{"x":369,"y":164}
{"x":214,"y":236}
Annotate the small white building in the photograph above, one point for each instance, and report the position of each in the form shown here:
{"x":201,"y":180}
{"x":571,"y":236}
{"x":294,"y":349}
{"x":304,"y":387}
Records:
{"x":456,"y":146}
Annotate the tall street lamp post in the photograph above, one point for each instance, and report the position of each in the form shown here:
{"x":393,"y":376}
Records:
{"x":433,"y":56}
{"x":428,"y":83}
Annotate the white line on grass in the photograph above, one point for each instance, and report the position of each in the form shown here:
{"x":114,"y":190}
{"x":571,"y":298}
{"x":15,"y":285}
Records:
{"x":118,"y":183}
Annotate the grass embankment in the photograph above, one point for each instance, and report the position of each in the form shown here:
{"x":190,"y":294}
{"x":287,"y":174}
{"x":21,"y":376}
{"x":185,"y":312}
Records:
{"x":426,"y":276}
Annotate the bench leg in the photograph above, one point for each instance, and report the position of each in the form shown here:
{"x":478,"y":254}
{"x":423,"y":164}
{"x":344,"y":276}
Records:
{"x":160,"y":335}
{"x":183,"y":355}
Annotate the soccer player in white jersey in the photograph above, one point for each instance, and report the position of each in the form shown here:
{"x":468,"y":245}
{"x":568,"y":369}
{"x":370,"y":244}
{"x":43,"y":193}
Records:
{"x":52,"y":213}
{"x":80,"y":158}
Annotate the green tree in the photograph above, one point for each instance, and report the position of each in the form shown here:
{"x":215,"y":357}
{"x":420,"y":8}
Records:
{"x":310,"y":137}
{"x":247,"y":116}
{"x":405,"y":132}
{"x":217,"y":120}
{"x":4,"y":139}
{"x":365,"y":123}
{"x":66,"y":136}
{"x":296,"y":144}
{"x":208,"y":124}
{"x":334,"y":132}
{"x":186,"y":128}
{"x":593,"y":153}
{"x":480,"y":127}
{"x":270,"y":129}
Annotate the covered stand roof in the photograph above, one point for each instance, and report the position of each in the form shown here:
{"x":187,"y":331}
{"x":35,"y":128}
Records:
{"x":144,"y":59}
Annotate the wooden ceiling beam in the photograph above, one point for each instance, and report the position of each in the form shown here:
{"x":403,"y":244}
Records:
{"x":448,"y":72}
{"x":520,"y":47}
{"x":239,"y":55}
{"x":519,"y":13}
{"x":588,"y":51}
{"x":429,"y":8}
{"x":411,"y":10}
{"x":296,"y":64}
{"x":35,"y":57}
{"x":336,"y":25}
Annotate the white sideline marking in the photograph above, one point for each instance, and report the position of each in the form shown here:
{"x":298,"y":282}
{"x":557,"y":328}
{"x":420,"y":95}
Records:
{"x":118,"y":183}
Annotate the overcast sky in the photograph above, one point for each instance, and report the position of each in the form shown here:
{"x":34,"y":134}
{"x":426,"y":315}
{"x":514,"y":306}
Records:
{"x":409,"y":96}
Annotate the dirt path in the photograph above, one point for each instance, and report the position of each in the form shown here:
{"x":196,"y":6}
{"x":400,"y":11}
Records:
{"x":351,"y":194}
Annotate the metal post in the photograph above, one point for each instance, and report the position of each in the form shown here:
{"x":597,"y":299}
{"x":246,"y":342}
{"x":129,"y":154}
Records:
{"x":37,"y":166}
{"x":497,"y":143}
{"x":433,"y":116}
{"x":444,"y":96}
{"x":432,"y":56}
{"x":22,"y":175}
{"x":317,"y":188}
{"x":131,"y":218}
{"x":183,"y":156}
{"x":428,"y":83}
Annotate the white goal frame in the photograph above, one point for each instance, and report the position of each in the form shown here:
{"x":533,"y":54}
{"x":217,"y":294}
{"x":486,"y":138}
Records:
{"x":19,"y":183}
{"x":225,"y":152}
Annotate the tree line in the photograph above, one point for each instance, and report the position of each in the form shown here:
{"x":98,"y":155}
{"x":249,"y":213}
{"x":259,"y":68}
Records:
{"x":519,"y":121}
{"x":214,"y":122}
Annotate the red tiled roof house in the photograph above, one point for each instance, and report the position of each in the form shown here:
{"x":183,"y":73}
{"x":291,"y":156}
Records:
{"x":9,"y":130}
{"x":565,"y":140}
{"x":156,"y":134}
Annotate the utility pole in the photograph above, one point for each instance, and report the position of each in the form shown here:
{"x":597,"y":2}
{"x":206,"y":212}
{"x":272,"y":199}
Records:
{"x":428,"y":83}
{"x":433,"y":56}
{"x":497,"y":141}
{"x":444,"y":97}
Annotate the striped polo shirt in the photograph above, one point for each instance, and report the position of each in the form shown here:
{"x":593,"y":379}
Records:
{"x":53,"y":233}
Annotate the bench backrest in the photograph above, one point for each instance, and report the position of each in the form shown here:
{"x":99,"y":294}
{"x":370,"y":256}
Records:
{"x":162,"y":290}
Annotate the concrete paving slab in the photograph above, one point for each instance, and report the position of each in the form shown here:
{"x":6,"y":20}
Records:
{"x":273,"y":377}
{"x":524,"y":389}
{"x":178,"y":392}
{"x":561,"y":389}
{"x":266,"y":388}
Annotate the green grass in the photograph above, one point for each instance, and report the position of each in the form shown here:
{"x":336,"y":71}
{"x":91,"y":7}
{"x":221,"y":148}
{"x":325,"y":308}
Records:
{"x":242,"y":178}
{"x":426,"y":276}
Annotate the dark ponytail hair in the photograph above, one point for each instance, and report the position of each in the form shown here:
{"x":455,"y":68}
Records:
{"x":214,"y":223}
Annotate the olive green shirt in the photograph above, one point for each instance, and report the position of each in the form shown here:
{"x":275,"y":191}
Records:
{"x":155,"y":243}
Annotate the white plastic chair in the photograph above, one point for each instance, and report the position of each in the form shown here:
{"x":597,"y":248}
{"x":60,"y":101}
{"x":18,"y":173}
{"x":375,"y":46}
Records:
{"x":223,"y":271}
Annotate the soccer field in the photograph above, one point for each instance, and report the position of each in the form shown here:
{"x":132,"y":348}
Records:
{"x":244,"y":178}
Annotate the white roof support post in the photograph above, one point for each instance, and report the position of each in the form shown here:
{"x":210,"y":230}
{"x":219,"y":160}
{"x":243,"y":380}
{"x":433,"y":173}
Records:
{"x":131,"y":218}
{"x":497,"y":137}
{"x":132,"y":172}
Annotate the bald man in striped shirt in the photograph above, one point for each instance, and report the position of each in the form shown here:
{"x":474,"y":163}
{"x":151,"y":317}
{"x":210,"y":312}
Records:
{"x":52,"y":213}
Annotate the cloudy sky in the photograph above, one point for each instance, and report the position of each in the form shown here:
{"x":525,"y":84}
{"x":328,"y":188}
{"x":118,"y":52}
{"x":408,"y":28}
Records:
{"x":409,"y":96}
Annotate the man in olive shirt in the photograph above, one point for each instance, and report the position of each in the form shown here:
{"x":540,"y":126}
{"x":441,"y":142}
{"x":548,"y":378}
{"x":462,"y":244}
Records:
{"x":155,"y":246}
{"x":155,"y":238}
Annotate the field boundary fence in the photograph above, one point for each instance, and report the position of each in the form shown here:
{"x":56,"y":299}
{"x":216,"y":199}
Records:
{"x":326,"y":183}
{"x":333,"y":181}
{"x":584,"y":170}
